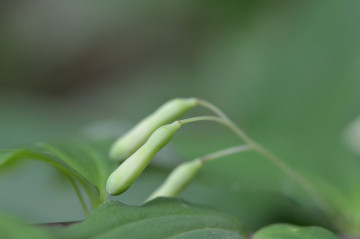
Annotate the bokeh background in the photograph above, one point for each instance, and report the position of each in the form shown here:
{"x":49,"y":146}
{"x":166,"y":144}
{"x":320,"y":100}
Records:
{"x":287,"y":72}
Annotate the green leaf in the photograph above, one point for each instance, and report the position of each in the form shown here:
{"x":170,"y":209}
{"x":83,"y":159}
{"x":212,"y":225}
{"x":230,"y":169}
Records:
{"x":14,"y":228}
{"x":287,"y":231}
{"x":161,"y":218}
{"x":80,"y":163}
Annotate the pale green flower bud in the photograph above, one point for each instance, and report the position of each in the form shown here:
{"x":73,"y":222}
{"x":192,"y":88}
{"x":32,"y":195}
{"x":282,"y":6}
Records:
{"x":137,"y":136}
{"x":179,"y":178}
{"x":121,"y":179}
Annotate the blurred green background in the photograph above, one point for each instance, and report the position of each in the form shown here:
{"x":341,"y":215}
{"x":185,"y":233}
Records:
{"x":287,"y":72}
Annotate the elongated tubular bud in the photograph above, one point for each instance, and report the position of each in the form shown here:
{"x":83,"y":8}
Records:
{"x":178,"y":179}
{"x":137,"y":136}
{"x":121,"y":179}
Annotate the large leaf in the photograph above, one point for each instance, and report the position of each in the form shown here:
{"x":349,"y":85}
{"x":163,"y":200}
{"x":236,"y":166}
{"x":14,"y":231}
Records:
{"x":161,"y":218}
{"x":14,"y":228}
{"x":80,"y":163}
{"x":287,"y":231}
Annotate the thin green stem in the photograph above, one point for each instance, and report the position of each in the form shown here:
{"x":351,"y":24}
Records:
{"x":211,"y":107}
{"x":78,"y":193}
{"x":224,"y":152}
{"x":223,"y":119}
{"x":226,"y":120}
{"x":179,"y":179}
{"x":200,"y":118}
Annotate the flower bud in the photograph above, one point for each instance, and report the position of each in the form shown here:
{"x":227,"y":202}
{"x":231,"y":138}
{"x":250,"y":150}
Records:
{"x":179,"y":178}
{"x":137,"y":136}
{"x":121,"y":179}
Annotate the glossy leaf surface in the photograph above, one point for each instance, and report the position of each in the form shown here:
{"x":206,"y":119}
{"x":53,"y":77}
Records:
{"x":287,"y":231}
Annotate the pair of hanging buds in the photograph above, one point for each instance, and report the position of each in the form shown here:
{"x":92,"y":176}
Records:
{"x":141,"y":144}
